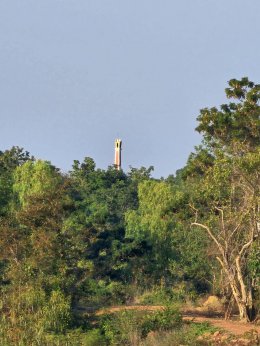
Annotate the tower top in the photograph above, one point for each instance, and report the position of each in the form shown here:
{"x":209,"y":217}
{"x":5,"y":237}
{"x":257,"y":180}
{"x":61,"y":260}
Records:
{"x":118,"y":148}
{"x":118,"y":143}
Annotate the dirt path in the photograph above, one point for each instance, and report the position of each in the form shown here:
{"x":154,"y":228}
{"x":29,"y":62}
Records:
{"x":234,"y":327}
{"x":130,"y":307}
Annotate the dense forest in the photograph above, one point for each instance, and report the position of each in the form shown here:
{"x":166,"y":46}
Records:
{"x":92,"y":238}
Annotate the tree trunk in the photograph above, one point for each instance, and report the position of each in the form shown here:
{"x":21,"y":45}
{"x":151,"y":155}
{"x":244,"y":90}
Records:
{"x":240,"y":293}
{"x":244,"y":301}
{"x":232,"y":267}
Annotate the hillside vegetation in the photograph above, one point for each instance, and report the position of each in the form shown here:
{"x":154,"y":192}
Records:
{"x":73,"y":243}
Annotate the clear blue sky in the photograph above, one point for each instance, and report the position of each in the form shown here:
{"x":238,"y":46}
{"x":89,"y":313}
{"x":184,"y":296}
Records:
{"x":76,"y":74}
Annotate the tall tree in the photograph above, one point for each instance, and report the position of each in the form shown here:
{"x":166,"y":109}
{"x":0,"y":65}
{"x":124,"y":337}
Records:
{"x":96,"y":226}
{"x":231,"y":187}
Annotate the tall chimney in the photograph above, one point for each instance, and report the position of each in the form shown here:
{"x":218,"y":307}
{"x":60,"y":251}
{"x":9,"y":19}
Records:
{"x":118,"y":148}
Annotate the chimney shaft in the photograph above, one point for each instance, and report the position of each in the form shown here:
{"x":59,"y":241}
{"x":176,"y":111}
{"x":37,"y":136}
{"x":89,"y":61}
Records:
{"x":118,"y":148}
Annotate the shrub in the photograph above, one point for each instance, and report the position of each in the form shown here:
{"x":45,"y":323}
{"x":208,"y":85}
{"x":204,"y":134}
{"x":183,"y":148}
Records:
{"x":120,"y":328}
{"x":93,"y":338}
{"x":161,"y":321}
{"x":162,"y":295}
{"x":56,"y":314}
{"x":29,"y":315}
{"x":188,"y":335}
{"x":129,"y":327}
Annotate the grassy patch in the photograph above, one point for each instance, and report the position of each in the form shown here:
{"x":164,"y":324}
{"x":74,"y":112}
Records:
{"x":187,"y":335}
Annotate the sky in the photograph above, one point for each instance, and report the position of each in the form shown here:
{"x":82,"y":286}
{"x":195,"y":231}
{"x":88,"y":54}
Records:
{"x":77,"y":74}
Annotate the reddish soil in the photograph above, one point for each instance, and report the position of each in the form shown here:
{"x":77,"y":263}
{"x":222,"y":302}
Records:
{"x":233,"y":327}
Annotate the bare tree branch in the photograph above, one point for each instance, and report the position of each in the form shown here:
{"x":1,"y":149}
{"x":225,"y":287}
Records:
{"x":220,"y":247}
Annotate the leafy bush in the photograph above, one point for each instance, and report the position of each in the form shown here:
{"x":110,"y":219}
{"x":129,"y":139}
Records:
{"x":93,"y":338}
{"x":130,"y":327}
{"x":161,"y":321}
{"x":202,"y":328}
{"x":156,"y":296}
{"x":163,"y":296}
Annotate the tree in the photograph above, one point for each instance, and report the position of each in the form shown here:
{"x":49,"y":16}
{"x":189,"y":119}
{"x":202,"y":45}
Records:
{"x":9,"y":161}
{"x":33,"y":229}
{"x":96,"y":226}
{"x":235,"y":127}
{"x":35,"y":178}
{"x":162,"y":219}
{"x":37,"y":280}
{"x":231,"y":188}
